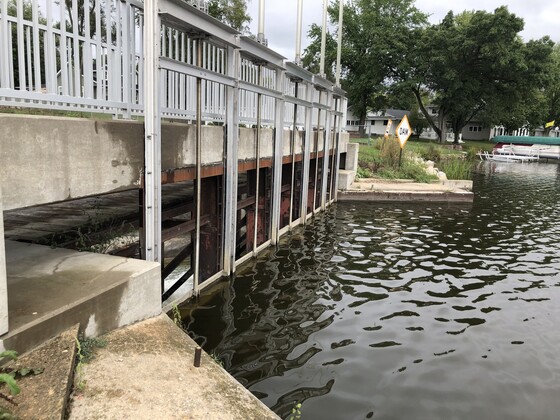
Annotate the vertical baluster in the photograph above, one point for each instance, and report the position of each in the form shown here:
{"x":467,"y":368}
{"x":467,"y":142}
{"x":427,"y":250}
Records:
{"x":76,"y":62}
{"x":36,"y":46}
{"x":20,"y":46}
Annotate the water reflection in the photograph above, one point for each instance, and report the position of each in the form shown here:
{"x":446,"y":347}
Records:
{"x":407,"y":312}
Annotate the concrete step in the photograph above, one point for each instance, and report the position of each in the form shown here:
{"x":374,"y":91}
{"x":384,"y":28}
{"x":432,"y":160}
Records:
{"x":49,"y":290}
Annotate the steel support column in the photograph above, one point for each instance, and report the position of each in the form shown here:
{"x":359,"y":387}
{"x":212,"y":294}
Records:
{"x":307,"y":153}
{"x":257,"y":163}
{"x":316,"y":142}
{"x":326,"y":150}
{"x":231,"y":158}
{"x":152,"y":139}
{"x":342,"y":103}
{"x":293,"y":150}
{"x":195,"y":265}
{"x":278,"y":155}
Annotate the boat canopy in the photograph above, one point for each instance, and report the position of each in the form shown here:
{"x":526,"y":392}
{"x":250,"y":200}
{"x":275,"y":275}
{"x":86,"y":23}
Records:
{"x":549,"y":141}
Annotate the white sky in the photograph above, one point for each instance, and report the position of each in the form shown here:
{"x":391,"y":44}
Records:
{"x":542,"y":17}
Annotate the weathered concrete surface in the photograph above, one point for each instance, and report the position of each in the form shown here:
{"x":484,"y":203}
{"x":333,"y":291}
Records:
{"x":46,"y":159}
{"x":50,"y":290}
{"x":146,"y":372}
{"x":345,"y":179}
{"x":381,"y":190}
{"x":3,"y":283}
{"x":45,"y":396}
{"x":352,"y":150}
{"x":50,"y":159}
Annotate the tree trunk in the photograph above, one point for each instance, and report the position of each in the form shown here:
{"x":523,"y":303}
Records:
{"x":442,"y":133}
{"x":362,"y":126}
{"x":426,"y":113}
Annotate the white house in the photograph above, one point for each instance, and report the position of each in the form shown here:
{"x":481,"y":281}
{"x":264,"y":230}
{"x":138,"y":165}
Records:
{"x":376,"y":121}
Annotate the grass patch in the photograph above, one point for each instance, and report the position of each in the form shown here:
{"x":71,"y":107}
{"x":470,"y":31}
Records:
{"x":379,"y":158}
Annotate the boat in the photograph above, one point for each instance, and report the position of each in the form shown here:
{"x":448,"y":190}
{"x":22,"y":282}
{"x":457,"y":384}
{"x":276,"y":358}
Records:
{"x":531,"y":146}
{"x":507,"y":157}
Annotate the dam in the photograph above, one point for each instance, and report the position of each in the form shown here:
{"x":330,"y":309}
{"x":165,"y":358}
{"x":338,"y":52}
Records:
{"x":163,"y":135}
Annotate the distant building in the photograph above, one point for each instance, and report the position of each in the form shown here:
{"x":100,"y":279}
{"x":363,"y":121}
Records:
{"x":376,"y":121}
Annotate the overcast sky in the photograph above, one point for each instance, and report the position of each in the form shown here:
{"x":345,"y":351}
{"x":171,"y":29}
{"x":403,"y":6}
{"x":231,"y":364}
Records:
{"x":542,"y":17}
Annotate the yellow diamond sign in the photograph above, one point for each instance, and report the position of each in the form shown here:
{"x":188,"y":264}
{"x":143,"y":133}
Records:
{"x":403,"y":131}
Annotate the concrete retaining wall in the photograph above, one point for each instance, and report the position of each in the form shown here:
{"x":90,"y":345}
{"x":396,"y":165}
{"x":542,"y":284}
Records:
{"x":49,"y":159}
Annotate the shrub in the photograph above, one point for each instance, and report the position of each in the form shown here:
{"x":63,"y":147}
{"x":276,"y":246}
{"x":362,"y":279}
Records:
{"x":456,"y":168}
{"x":432,"y":152}
{"x":389,"y":151}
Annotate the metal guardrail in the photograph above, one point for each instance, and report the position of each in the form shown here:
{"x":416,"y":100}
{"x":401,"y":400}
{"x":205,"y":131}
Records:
{"x":89,"y":55}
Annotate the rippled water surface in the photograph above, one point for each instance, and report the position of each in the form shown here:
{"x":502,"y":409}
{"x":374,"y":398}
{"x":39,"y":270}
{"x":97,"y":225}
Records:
{"x":404,"y":312}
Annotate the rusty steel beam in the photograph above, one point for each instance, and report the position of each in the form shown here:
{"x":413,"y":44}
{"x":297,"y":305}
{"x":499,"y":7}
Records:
{"x":189,"y":174}
{"x":176,"y":262}
{"x":183,"y":228}
{"x":241,"y":204}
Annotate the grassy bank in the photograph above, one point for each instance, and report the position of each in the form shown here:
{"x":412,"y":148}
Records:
{"x":380,"y":158}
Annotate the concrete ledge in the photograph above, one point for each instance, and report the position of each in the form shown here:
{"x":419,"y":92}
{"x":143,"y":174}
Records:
{"x":407,"y":196}
{"x":146,"y":372}
{"x":49,"y":290}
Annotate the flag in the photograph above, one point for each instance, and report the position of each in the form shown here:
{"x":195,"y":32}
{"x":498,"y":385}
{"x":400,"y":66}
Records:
{"x":549,"y":124}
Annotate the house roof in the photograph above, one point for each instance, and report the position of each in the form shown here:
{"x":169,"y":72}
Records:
{"x":396,"y":114}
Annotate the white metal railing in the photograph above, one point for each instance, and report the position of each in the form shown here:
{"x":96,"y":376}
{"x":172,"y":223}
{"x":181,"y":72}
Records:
{"x":88,"y":55}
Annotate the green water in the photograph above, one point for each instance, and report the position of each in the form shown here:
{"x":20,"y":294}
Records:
{"x":404,"y":312}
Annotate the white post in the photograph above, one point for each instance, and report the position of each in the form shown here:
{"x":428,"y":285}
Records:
{"x":152,"y":139}
{"x":339,"y":48}
{"x":298,"y":31}
{"x":232,"y":140}
{"x":260,"y":35}
{"x":278,"y":156}
{"x":3,"y":279}
{"x":323,"y":39}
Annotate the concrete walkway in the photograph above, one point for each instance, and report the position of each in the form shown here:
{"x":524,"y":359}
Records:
{"x":382,"y":190}
{"x":146,"y":372}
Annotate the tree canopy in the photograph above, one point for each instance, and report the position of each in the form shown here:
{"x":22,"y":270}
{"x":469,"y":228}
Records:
{"x":470,"y":65}
{"x":231,"y":12}
{"x":374,"y":34}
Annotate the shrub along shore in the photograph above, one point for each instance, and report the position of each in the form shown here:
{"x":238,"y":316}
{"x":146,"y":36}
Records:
{"x":379,"y":158}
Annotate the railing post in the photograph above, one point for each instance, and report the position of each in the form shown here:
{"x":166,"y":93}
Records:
{"x":152,"y":139}
{"x":278,"y":155}
{"x":231,"y":170}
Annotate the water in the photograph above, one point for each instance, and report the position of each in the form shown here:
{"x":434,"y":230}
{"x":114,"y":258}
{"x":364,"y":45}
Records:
{"x":404,"y":312}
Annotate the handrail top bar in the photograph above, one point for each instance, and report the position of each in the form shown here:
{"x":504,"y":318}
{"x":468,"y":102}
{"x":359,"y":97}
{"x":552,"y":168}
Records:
{"x":256,"y":51}
{"x":292,"y":69}
{"x":321,"y":83}
{"x":184,"y":16}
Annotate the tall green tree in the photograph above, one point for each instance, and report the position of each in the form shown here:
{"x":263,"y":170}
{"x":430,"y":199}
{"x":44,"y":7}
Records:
{"x":550,"y":94}
{"x":374,"y":37}
{"x":231,"y":12}
{"x":477,"y":65}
